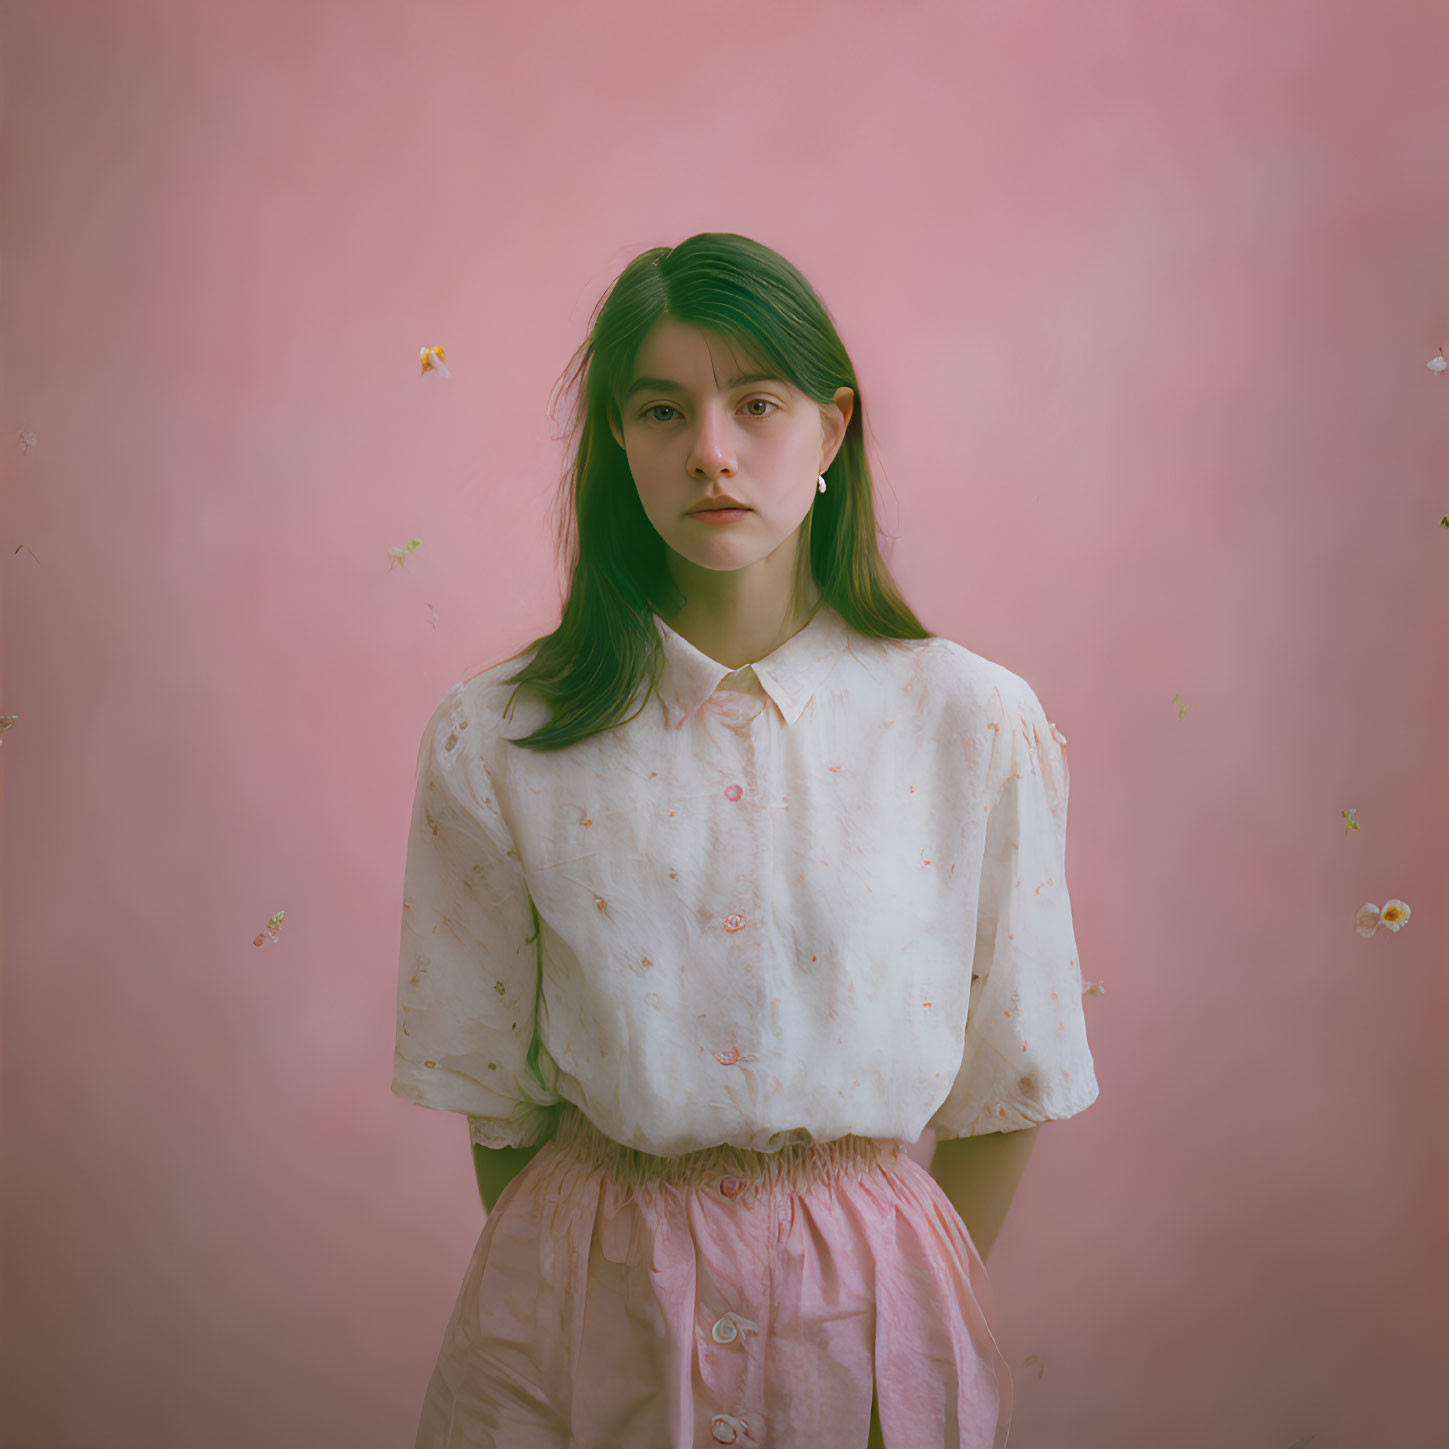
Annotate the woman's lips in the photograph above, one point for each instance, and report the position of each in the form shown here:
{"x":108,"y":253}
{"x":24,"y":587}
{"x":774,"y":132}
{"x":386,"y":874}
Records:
{"x":719,"y":515}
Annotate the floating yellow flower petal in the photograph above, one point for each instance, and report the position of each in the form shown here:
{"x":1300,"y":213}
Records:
{"x":269,"y":937}
{"x":399,"y":553}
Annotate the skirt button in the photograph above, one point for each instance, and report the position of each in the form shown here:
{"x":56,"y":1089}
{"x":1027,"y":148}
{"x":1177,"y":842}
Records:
{"x":730,"y":1186}
{"x":725,"y":1331}
{"x":723,"y":1429}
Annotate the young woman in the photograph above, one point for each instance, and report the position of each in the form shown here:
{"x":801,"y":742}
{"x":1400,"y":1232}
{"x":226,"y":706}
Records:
{"x":762,"y":880}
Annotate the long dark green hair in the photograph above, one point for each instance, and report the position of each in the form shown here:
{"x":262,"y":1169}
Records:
{"x":606,"y":644}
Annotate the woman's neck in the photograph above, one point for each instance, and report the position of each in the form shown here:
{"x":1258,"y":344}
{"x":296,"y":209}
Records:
{"x":736,"y":629}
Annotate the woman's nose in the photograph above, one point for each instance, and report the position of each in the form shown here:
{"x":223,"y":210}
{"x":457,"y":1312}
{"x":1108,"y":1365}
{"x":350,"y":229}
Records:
{"x":711,"y":449}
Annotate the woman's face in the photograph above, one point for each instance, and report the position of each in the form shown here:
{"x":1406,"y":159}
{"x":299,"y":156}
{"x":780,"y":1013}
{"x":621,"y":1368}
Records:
{"x":699,"y":423}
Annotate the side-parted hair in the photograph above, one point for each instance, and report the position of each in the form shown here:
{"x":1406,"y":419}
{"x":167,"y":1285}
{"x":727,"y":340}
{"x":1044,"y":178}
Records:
{"x":606,"y":644}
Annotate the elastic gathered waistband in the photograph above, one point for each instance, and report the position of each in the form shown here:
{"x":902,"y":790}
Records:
{"x":796,"y":1165}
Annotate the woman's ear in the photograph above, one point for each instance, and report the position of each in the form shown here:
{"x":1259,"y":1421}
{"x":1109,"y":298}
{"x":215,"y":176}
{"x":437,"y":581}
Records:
{"x":836,"y":419}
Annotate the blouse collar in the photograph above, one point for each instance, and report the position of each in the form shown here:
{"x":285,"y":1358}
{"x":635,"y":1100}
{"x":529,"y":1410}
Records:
{"x":789,"y":675}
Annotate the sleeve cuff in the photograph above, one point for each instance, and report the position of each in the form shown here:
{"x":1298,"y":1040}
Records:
{"x":528,"y":1127}
{"x":1015,"y":1115}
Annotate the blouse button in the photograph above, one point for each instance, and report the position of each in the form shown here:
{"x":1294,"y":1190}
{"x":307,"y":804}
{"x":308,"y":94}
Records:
{"x":733,"y":792}
{"x":725,"y":1428}
{"x":734,"y":921}
{"x":730,"y":1186}
{"x":728,"y":1057}
{"x":725,"y":1331}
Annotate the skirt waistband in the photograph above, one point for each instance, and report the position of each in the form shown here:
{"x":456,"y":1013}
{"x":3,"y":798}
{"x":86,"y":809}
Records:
{"x":725,"y":1167}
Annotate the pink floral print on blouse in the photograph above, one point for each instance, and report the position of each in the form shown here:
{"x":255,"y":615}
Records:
{"x":819,"y":895}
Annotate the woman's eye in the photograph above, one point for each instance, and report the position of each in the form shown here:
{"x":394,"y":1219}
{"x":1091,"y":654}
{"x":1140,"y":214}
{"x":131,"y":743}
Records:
{"x":650,"y":413}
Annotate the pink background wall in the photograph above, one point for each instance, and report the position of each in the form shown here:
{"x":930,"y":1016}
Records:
{"x":1141,"y":297}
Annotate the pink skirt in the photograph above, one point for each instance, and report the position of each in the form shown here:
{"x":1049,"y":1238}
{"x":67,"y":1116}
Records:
{"x":722,"y":1297}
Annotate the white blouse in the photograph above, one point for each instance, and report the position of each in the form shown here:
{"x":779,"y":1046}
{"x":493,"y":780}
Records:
{"x":818,"y":895}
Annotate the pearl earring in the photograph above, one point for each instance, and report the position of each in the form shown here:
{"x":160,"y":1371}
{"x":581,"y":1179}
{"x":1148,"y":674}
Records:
{"x":822,"y":482}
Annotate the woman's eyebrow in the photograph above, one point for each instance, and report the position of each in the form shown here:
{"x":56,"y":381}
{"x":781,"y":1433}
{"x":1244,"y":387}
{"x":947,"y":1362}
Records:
{"x":664,"y":384}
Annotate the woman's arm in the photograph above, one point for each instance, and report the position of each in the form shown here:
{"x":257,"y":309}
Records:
{"x":980,"y":1175}
{"x":496,"y":1167}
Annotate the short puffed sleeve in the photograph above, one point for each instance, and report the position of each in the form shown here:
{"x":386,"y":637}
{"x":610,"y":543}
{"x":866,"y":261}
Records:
{"x":1025,"y":1059}
{"x":468,"y":964}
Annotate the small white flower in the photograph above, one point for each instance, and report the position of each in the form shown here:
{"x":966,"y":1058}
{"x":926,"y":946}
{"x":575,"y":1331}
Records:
{"x":1394,"y":915}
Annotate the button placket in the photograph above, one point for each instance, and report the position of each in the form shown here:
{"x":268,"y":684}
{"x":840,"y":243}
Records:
{"x":733,"y":1305}
{"x":732,"y":1370}
{"x":732,"y":1373}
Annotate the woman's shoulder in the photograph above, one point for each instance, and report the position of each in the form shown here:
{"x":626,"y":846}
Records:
{"x":952,"y":675}
{"x":490,"y":704}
